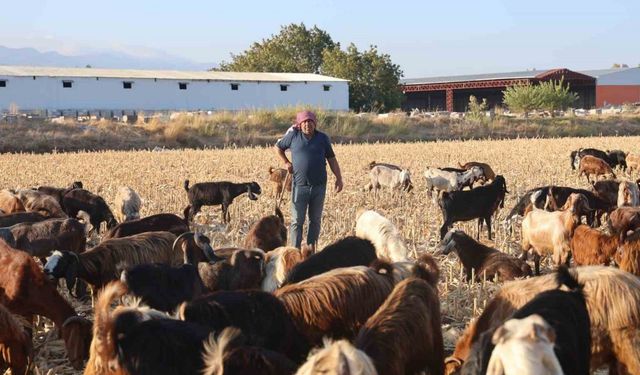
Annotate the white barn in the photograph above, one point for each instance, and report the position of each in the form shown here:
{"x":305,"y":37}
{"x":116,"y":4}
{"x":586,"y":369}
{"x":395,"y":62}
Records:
{"x":88,"y":89}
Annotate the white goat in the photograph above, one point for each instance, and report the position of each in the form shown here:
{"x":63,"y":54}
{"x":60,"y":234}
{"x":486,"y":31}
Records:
{"x":338,"y":357}
{"x":628,"y":194}
{"x":385,"y":237}
{"x":524,"y":347}
{"x":389,"y":176}
{"x":128,"y":204}
{"x":450,"y":181}
{"x":278,"y":263}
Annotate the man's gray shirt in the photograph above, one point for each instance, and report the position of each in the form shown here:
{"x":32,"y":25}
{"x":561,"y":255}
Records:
{"x":308,"y":156}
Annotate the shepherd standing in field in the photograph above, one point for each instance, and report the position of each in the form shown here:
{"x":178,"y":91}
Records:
{"x":309,"y":150}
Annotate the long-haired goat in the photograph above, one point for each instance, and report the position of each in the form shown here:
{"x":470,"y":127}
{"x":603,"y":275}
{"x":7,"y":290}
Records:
{"x":127,"y":204}
{"x":481,"y":260}
{"x":268,"y":233}
{"x":195,"y":247}
{"x":592,"y":247}
{"x":338,"y":358}
{"x":385,"y":237}
{"x":217,"y":193}
{"x":624,"y":219}
{"x":154,"y":223}
{"x":59,"y":193}
{"x":15,"y":343}
{"x":628,"y":194}
{"x":628,"y":255}
{"x":40,"y":239}
{"x":243,"y":270}
{"x":612,"y":297}
{"x":278,"y":264}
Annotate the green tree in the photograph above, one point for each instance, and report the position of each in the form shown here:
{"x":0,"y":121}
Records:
{"x":374,"y":78}
{"x":549,"y":96}
{"x":522,"y":98}
{"x":476,"y":111}
{"x":296,"y":49}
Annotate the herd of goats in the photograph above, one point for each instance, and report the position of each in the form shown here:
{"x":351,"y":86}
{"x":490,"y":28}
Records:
{"x":166,"y":302}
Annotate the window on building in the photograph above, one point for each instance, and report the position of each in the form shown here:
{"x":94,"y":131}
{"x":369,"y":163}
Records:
{"x":284,"y":87}
{"x":67,"y":84}
{"x":182,"y":86}
{"x":234,"y":86}
{"x":3,"y":83}
{"x":326,"y":87}
{"x":127,"y":85}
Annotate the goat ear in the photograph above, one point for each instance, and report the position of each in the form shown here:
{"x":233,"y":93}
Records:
{"x":540,"y":332}
{"x":499,"y":335}
{"x":343,"y":365}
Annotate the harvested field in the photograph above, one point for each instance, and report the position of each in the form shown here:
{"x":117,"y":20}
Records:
{"x":158,"y":178}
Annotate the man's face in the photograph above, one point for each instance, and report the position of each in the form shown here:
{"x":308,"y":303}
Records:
{"x":308,"y":127}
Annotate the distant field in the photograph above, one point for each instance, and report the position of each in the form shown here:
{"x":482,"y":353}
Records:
{"x":158,"y":177}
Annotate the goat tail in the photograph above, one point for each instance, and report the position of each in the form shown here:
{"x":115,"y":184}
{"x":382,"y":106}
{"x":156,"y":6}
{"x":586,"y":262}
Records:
{"x":186,"y":185}
{"x":426,"y":268}
{"x":186,"y":212}
{"x":214,"y":350}
{"x":104,"y":325}
{"x":564,"y":277}
{"x":460,"y":165}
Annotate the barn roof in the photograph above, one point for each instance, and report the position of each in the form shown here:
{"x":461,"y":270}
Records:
{"x":603,"y":72}
{"x":472,"y":77}
{"x":163,"y":74}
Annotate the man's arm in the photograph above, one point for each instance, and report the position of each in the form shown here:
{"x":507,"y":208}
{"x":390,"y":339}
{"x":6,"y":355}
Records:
{"x":284,"y":158}
{"x":335,"y":169}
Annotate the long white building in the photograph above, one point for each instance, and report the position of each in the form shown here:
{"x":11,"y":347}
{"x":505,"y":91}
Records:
{"x":59,"y":89}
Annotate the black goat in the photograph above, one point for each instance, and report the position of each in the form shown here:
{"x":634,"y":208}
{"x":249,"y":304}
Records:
{"x":479,"y":203}
{"x":260,"y":316}
{"x":243,"y":270}
{"x":59,"y":193}
{"x":217,"y":193}
{"x":613,"y":158}
{"x":21,"y":217}
{"x":83,"y":200}
{"x":154,"y":223}
{"x":161,"y":286}
{"x":196,"y":248}
{"x":347,"y":252}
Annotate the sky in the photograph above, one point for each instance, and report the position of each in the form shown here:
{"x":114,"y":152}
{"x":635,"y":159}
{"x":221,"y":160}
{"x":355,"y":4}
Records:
{"x":426,"y":38}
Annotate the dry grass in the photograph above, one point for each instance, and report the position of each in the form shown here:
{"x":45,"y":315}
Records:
{"x":158,"y":178}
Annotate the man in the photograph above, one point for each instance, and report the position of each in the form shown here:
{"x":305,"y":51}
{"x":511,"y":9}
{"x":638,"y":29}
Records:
{"x":309,"y":150}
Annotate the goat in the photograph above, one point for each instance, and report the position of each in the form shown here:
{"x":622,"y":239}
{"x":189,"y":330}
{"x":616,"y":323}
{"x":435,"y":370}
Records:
{"x":548,"y":335}
{"x":628,"y":255}
{"x":282,"y":180}
{"x":633,"y":162}
{"x":337,"y":358}
{"x":385,"y":237}
{"x":35,"y":201}
{"x":612,"y":158}
{"x":450,"y":179}
{"x":628,"y":194}
{"x":592,"y":166}
{"x":243,"y":270}
{"x":217,"y":193}
{"x":479,"y":203}
{"x":617,"y":158}
{"x":15,"y":343}
{"x":195,"y":247}
{"x":347,"y":252}
{"x":127,"y":204}
{"x":480,"y":260}
{"x":279,"y":263}
{"x":592,"y":247}
{"x":58,"y":193}
{"x":40,"y":239}
{"x":612,"y":298}
{"x":104,"y":262}
{"x":487,"y":171}
{"x":82,"y":200}
{"x":227,"y":355}
{"x":154,"y":223}
{"x":260,"y":316}
{"x":624,"y":219}
{"x":20,"y":217}
{"x":550,"y":232}
{"x":607,"y":190}
{"x":268,"y":233}
{"x":10,"y":203}
{"x":26,"y":292}
{"x":392,"y":177}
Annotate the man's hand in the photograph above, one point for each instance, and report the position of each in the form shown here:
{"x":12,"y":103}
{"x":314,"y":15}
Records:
{"x":288,"y":166}
{"x":339,"y":185}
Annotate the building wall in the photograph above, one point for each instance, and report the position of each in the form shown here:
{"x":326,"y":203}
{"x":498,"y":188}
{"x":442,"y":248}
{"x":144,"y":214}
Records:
{"x":163,"y":94}
{"x":617,"y":94}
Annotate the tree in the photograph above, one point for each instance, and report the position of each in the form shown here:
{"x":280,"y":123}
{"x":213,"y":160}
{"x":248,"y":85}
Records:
{"x":374,"y":78}
{"x":476,"y":110}
{"x":295,"y":49}
{"x":549,"y":96}
{"x":522,"y":98}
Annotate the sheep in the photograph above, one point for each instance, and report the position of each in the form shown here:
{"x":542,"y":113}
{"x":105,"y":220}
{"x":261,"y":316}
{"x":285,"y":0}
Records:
{"x":479,"y":203}
{"x":612,"y":298}
{"x":20,"y":217}
{"x":278,"y":264}
{"x":226,"y":355}
{"x":15,"y":343}
{"x":628,"y":255}
{"x":336,"y":303}
{"x":217,"y":193}
{"x":243,"y":270}
{"x":82,"y":200}
{"x":105,"y":261}
{"x":624,"y":219}
{"x":10,"y":203}
{"x":268,"y":233}
{"x":550,"y":232}
{"x":154,"y":223}
{"x":487,"y":172}
{"x":260,"y":316}
{"x":35,"y":201}
{"x":592,"y":166}
{"x":282,"y":180}
{"x":628,"y":194}
{"x":385,"y":237}
{"x":346,"y":252}
{"x":127,"y":204}
{"x":480,"y":260}
{"x":40,"y":239}
{"x":25,"y":292}
{"x":633,"y":162}
{"x":592,"y":247}
{"x":58,"y":193}
{"x":392,"y":177}
{"x":196,"y":248}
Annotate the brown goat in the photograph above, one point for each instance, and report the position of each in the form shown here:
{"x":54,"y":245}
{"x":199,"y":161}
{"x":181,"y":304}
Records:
{"x":487,"y":172}
{"x":593,"y":166}
{"x":15,"y":343}
{"x":612,"y":296}
{"x":592,"y":247}
{"x":624,"y":219}
{"x":607,"y":190}
{"x":282,"y":180}
{"x":25,"y":291}
{"x":628,"y":255}
{"x":10,"y":203}
{"x":278,"y":264}
{"x":36,"y":201}
{"x":633,"y":162}
{"x":243,"y":270}
{"x":268,"y":233}
{"x":40,"y":239}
